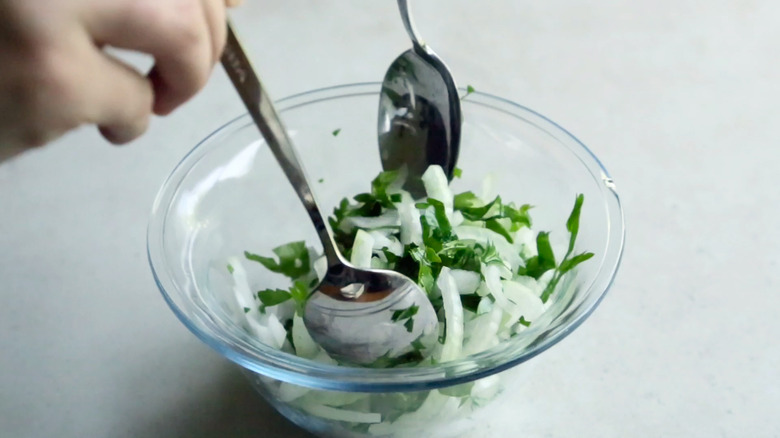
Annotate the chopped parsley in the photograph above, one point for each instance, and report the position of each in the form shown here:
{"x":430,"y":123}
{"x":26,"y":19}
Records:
{"x":406,"y":315}
{"x":469,"y":91}
{"x":499,"y":247}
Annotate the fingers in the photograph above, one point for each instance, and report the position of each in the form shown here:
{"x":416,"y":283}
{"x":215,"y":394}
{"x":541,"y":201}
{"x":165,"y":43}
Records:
{"x":106,"y":92}
{"x":121,"y":99}
{"x":184,"y":36}
{"x":216,"y":19}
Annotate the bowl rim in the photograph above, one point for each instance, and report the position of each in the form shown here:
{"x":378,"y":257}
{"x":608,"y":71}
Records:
{"x":293,"y":369}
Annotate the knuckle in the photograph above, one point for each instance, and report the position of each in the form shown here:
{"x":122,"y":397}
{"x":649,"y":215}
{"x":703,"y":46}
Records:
{"x":187,"y":24}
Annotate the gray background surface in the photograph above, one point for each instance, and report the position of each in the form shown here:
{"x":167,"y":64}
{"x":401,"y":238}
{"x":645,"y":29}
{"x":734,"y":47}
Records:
{"x":679,"y":99}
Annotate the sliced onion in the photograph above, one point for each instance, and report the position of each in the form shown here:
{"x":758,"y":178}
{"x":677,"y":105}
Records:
{"x":362,"y":250}
{"x":453,"y":316}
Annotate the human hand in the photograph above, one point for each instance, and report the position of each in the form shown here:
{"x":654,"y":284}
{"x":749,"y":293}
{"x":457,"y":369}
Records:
{"x":55,"y":75}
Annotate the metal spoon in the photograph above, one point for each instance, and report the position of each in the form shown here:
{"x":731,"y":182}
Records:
{"x":351,"y":313}
{"x":419,"y":112}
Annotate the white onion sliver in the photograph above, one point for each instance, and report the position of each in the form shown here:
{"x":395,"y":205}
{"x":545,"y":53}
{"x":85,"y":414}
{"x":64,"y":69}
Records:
{"x":485,"y":305}
{"x":362,"y":250}
{"x":529,"y":303}
{"x":467,"y":281}
{"x":453,"y":316}
{"x":411,"y":228}
{"x":263,"y":332}
{"x":337,"y":414}
{"x":493,"y":282}
{"x":320,"y":266}
{"x":289,"y":392}
{"x":277,"y":329}
{"x":387,"y":219}
{"x":457,"y":219}
{"x":244,"y":295}
{"x":486,"y":389}
{"x":335,"y":398}
{"x":484,"y":332}
{"x":383,"y":241}
{"x":304,"y":344}
{"x":438,"y":187}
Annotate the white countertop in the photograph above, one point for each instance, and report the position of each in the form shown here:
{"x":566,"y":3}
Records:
{"x":681,"y":100}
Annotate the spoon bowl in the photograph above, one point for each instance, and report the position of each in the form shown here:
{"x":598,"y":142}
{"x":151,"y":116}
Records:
{"x":358,"y":326}
{"x":419,"y":112}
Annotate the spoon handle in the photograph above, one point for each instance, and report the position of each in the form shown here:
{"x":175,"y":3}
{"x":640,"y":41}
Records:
{"x":406,"y":17}
{"x":240,"y":71}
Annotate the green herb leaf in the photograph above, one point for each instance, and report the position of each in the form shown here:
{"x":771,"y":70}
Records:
{"x":425,"y":276}
{"x":569,"y":264}
{"x":519,"y":217}
{"x":491,"y":255}
{"x":272,"y":297}
{"x":417,"y":344}
{"x":465,"y":200}
{"x":573,"y":223}
{"x":461,"y":254}
{"x":495,"y":225}
{"x":391,"y":257}
{"x":380,"y":184}
{"x":379,"y":197}
{"x":364,"y":197}
{"x":299,"y":292}
{"x":432,"y":256}
{"x":321,"y":180}
{"x":457,"y":172}
{"x":288,"y":328}
{"x":478,"y":213}
{"x":425,"y":279}
{"x":230,"y":268}
{"x":543,"y":247}
{"x":409,"y":325}
{"x":342,"y":210}
{"x":541,"y":263}
{"x":440,"y":214}
{"x":247,"y":309}
{"x":524,"y":322}
{"x":293,"y":259}
{"x":400,"y":315}
{"x":469,"y":90}
{"x":336,"y":132}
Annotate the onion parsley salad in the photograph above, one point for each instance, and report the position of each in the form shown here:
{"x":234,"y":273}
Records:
{"x":486,"y":272}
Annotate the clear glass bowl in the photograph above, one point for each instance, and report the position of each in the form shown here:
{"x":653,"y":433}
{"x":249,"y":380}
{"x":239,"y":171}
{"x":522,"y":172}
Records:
{"x":229,"y":195}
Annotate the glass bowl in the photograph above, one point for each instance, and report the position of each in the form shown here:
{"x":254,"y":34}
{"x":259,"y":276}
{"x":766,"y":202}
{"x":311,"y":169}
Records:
{"x":229,"y":195}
